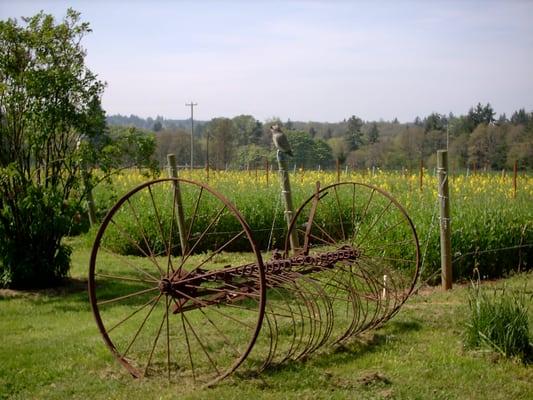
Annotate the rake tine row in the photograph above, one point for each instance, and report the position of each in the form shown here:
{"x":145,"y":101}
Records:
{"x":305,"y":313}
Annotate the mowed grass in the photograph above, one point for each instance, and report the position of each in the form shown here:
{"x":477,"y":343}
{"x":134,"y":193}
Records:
{"x":50,"y":347}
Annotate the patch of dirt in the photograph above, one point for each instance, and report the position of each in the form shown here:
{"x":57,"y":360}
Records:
{"x":372,"y":378}
{"x":68,"y":287}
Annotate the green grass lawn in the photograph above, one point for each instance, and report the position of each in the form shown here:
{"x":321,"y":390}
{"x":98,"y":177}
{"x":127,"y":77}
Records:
{"x":50,"y":347}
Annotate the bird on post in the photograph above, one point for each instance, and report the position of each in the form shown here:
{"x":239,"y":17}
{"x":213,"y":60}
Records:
{"x":280,"y":140}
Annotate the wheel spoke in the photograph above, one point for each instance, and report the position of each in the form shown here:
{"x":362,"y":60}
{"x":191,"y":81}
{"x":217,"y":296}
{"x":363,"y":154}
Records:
{"x":123,"y":278}
{"x":143,"y":233}
{"x":141,"y":326}
{"x":132,"y":314}
{"x":128,"y":296}
{"x":201,"y":345}
{"x":375,"y":221}
{"x":135,"y":244}
{"x":156,"y":339}
{"x":339,"y":211}
{"x":128,"y":263}
{"x":211,"y":224}
{"x":214,"y":253}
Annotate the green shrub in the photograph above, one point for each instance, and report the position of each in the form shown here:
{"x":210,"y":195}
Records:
{"x":499,"y":321}
{"x":31,"y":253}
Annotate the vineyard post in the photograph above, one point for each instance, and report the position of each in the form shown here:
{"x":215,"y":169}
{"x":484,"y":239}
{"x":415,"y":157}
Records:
{"x":421,"y":174}
{"x":286,"y":191}
{"x":180,"y":219}
{"x":267,"y":169}
{"x":445,"y":231}
{"x":337,"y":165}
{"x":515,"y":173}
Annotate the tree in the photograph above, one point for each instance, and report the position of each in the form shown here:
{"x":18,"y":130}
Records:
{"x":487,"y":147}
{"x":411,"y":145}
{"x":221,"y":132}
{"x":480,"y":115}
{"x":373,"y":134}
{"x":435,"y":122}
{"x":289,"y":125}
{"x":521,"y":117}
{"x":257,"y":133}
{"x":49,"y":100}
{"x":323,"y":154}
{"x":157,"y":126}
{"x":307,"y":152}
{"x":353,"y":135}
{"x":244,"y":129}
{"x":131,"y":147}
{"x":339,"y":149}
{"x":175,"y":141}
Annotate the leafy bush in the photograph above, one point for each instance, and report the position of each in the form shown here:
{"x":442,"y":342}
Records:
{"x":499,"y":322}
{"x":31,"y":253}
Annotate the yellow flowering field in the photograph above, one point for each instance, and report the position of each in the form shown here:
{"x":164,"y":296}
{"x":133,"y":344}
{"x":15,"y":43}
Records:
{"x":492,"y":227}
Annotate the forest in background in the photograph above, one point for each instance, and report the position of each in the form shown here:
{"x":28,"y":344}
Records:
{"x":476,"y":140}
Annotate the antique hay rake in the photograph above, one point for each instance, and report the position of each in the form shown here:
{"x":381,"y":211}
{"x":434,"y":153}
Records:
{"x":178,"y":286}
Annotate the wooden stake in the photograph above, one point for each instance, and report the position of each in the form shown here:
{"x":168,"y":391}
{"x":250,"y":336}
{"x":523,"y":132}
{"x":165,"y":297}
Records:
{"x":286,"y":191}
{"x":267,"y":167}
{"x":445,"y":231}
{"x":421,"y":174}
{"x":337,"y":165}
{"x":180,"y":219}
{"x":515,"y":173}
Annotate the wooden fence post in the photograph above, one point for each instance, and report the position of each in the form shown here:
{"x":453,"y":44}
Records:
{"x":267,"y":169}
{"x":421,"y":174}
{"x":286,"y":191}
{"x":178,"y":204}
{"x":515,"y":173}
{"x":445,"y":231}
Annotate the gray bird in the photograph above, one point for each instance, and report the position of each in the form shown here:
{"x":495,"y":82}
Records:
{"x":280,"y":140}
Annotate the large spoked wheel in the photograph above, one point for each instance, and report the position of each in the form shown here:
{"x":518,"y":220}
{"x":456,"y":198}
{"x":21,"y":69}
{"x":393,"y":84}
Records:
{"x":158,"y":288}
{"x":370,"y":289}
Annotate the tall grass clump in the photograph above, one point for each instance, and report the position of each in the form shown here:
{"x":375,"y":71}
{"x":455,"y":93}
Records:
{"x":499,"y":321}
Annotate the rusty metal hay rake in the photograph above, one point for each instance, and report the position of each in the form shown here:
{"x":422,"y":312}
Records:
{"x":188,"y":310}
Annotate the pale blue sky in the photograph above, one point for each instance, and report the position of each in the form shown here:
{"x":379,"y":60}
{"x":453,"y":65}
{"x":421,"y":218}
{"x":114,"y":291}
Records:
{"x":315,"y":60}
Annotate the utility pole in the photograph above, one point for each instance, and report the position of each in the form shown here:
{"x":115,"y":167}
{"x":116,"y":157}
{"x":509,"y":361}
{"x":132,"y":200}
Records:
{"x":191,"y":104}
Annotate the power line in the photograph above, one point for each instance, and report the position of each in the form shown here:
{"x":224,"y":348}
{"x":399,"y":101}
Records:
{"x":192,"y":105}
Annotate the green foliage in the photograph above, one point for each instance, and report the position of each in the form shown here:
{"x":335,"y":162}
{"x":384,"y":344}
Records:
{"x":31,"y":252}
{"x":373,"y":134}
{"x":131,"y":147}
{"x":49,"y":101}
{"x":52,"y":134}
{"x":222,"y":136}
{"x":353,"y":135}
{"x":309,"y":153}
{"x":499,"y":321}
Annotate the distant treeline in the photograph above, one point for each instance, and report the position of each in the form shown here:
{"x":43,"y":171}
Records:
{"x":477,"y":139}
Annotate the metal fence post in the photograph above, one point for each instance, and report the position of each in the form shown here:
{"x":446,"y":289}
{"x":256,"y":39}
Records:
{"x":445,"y":231}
